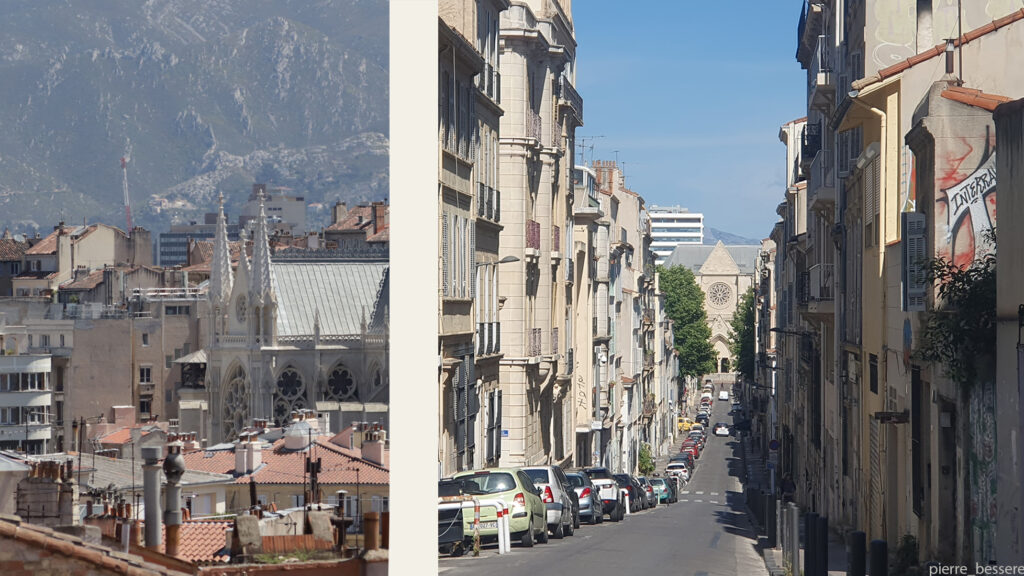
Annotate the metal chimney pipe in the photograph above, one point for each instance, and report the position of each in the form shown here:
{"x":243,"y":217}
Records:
{"x":174,"y":468}
{"x":151,"y":488}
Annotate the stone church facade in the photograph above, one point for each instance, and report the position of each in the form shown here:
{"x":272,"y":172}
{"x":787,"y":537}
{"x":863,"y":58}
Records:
{"x":724,"y":273}
{"x":295,"y":330}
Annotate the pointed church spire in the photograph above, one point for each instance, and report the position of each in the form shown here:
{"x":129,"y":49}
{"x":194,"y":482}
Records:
{"x":259,"y":281}
{"x":243,"y":256}
{"x":220,"y":267}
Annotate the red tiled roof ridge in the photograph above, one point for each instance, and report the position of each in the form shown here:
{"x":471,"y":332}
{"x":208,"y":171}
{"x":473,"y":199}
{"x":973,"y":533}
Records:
{"x":974,"y":97}
{"x":938,"y":49}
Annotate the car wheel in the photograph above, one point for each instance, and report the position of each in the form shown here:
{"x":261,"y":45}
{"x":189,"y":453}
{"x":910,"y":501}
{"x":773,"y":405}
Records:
{"x":620,"y":512}
{"x":542,"y":536}
{"x":595,"y":518}
{"x":559,"y":532}
{"x":576,"y":520}
{"x":527,"y":539}
{"x":569,"y":528}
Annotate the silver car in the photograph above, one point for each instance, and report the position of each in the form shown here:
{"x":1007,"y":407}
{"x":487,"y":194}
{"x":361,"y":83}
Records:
{"x":591,"y":506}
{"x":558,"y":496}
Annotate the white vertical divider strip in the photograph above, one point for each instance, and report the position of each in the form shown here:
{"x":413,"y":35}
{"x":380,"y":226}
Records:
{"x":414,"y":296}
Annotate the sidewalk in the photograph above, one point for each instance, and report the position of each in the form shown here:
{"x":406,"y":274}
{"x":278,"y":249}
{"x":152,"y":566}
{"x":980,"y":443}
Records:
{"x":757,"y":477}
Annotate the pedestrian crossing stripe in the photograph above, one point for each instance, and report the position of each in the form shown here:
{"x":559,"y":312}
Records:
{"x":714,"y":493}
{"x":686,"y":491}
{"x":698,"y":500}
{"x":700,"y":492}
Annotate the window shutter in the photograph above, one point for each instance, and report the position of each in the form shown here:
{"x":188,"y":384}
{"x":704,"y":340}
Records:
{"x":876,"y":177}
{"x":444,"y":255}
{"x":497,"y":425}
{"x":914,"y":255}
{"x":869,"y":195}
{"x":471,"y":259}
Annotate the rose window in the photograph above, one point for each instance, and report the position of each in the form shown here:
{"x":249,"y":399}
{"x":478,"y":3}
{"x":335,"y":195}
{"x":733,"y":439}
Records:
{"x":289,"y":395}
{"x":719,"y":294}
{"x":341,"y":385}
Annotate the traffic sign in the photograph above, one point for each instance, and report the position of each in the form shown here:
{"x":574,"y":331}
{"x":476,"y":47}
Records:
{"x":773,"y":445}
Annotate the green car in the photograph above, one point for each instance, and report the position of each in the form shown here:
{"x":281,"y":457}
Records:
{"x":527,"y":513}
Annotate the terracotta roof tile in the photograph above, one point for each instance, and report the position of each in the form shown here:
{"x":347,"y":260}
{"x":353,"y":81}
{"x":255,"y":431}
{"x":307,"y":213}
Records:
{"x":199,"y":541}
{"x":88,"y":282}
{"x":282,"y":466}
{"x":47,"y":245}
{"x":939,"y":49}
{"x":352,"y":221}
{"x":11,"y":250}
{"x":64,"y":546}
{"x":974,"y":97}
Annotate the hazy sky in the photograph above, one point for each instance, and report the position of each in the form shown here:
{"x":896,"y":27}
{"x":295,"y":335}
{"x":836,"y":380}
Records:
{"x":692,"y":95}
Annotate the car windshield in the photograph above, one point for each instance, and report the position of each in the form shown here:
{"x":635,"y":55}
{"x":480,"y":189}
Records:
{"x":487,"y":482}
{"x":657,"y":481}
{"x":598,"y":473}
{"x":538,"y":476}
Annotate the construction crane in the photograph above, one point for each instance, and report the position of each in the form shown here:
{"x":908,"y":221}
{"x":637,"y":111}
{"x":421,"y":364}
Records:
{"x":127,"y":201}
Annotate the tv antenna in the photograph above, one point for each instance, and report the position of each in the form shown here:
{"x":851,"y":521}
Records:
{"x":582,"y":144}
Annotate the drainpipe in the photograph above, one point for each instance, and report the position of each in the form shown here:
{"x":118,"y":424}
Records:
{"x":151,"y":487}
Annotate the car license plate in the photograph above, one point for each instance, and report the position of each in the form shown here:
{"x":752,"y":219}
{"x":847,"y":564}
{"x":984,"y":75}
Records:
{"x":488,"y":525}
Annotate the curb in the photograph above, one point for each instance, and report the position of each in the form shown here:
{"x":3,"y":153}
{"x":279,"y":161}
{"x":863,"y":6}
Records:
{"x":769,"y":560}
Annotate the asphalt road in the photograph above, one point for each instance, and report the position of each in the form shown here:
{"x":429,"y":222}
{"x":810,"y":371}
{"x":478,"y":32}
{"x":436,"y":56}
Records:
{"x":706,"y":533}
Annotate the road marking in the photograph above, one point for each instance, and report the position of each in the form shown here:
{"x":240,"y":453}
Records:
{"x":685,"y":500}
{"x":698,"y":500}
{"x":714,"y":501}
{"x":714,"y":540}
{"x":686,"y":491}
{"x":700,"y":491}
{"x":714,"y":493}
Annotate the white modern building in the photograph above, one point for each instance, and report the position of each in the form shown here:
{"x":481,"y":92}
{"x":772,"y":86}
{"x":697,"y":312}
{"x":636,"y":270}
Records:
{"x":672,"y":226}
{"x":25,"y":394}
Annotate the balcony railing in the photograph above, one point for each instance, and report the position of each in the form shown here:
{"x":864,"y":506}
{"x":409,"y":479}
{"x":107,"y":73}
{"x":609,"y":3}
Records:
{"x":822,"y":280}
{"x":811,"y":142}
{"x":488,"y":338}
{"x":819,"y":74}
{"x":554,"y":341}
{"x":568,"y":94}
{"x":533,"y":346}
{"x":533,"y":234}
{"x":556,"y":238}
{"x":803,"y":292}
{"x":489,"y":82}
{"x":821,"y":172}
{"x":534,"y":127}
{"x":488,"y":202}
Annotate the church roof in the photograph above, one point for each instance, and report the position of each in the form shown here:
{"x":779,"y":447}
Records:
{"x":344,"y":293}
{"x":693,"y":256}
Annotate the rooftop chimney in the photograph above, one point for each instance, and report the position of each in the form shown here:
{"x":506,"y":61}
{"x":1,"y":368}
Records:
{"x":151,"y":491}
{"x":174,"y":468}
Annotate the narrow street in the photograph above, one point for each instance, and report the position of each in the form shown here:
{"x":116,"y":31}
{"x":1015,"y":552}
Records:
{"x":706,"y":533}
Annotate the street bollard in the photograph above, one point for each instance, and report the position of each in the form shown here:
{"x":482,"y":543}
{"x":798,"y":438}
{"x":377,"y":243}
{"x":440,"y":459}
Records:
{"x":879,"y":558}
{"x":771,"y":521}
{"x":856,"y":554}
{"x":821,"y":558}
{"x":810,"y":543}
{"x":794,"y":537}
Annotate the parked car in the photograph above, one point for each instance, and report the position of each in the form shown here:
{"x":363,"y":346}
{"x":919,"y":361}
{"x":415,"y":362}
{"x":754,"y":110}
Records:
{"x":665,"y":488}
{"x":698,"y":437}
{"x":702,"y":419}
{"x":685,"y":458}
{"x":684,"y":423}
{"x":723,"y":395}
{"x":558,"y":496}
{"x":637,"y":499}
{"x":691,"y":447}
{"x":527,"y":520}
{"x":699,"y":427}
{"x":649,"y":493}
{"x":679,"y":470}
{"x":450,"y":528}
{"x":721,"y":429}
{"x":589,"y":497}
{"x":611,"y":497}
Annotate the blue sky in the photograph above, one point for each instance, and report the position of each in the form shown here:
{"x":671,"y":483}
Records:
{"x":692,"y":95}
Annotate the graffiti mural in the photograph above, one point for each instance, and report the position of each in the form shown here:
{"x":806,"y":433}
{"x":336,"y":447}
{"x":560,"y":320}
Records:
{"x":982,"y":469}
{"x":965,"y":207}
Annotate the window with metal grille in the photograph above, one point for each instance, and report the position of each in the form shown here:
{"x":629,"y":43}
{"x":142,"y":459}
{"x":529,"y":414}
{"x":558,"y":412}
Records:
{"x":874,"y":374}
{"x":914,"y":251}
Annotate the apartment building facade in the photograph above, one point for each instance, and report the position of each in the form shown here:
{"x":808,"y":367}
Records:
{"x":672,"y":226}
{"x":883,"y":441}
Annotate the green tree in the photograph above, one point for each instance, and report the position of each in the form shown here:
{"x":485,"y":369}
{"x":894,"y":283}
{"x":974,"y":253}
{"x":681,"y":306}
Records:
{"x":646,"y":460}
{"x":684,"y":304}
{"x":960,"y":332}
{"x":741,"y":336}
